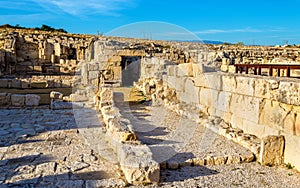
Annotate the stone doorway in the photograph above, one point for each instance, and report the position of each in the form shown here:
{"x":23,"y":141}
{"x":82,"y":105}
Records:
{"x":131,"y":70}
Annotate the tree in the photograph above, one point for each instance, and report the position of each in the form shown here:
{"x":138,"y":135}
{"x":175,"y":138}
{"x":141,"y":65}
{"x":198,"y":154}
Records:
{"x":240,"y":44}
{"x":48,"y":28}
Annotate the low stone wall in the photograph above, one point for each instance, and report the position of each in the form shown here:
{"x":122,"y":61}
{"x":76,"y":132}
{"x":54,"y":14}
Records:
{"x":256,"y":105}
{"x":135,"y":159}
{"x":18,"y":100}
{"x":37,"y":82}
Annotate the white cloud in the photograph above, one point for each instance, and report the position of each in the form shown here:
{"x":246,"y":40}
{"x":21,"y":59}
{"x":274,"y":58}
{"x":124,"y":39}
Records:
{"x":85,"y":7}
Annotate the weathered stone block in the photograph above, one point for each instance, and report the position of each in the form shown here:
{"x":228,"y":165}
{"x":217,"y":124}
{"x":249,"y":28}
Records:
{"x":188,"y":98}
{"x":229,"y":83}
{"x":288,"y":92}
{"x":3,"y":83}
{"x":106,"y":95}
{"x":66,"y":83}
{"x":199,"y":162}
{"x":93,"y":75}
{"x":178,"y":83}
{"x":220,"y":160}
{"x":277,"y":115}
{"x":25,"y":84}
{"x":117,"y":73}
{"x":261,"y":88}
{"x":39,"y":85}
{"x":32,"y":100}
{"x":233,"y":160}
{"x":5,"y":99}
{"x":184,"y":70}
{"x":16,"y":83}
{"x":224,"y":101}
{"x":245,"y":85}
{"x":226,"y":116}
{"x":246,"y":107}
{"x":209,"y":97}
{"x":252,"y":128}
{"x":56,"y":95}
{"x":18,"y":100}
{"x":137,"y":164}
{"x":209,"y":80}
{"x":37,"y":68}
{"x":115,"y":59}
{"x":198,"y":69}
{"x":271,"y":151}
{"x":191,"y":93}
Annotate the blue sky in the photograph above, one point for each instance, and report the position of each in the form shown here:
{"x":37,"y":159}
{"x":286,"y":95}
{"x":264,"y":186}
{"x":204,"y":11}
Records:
{"x":260,"y":22}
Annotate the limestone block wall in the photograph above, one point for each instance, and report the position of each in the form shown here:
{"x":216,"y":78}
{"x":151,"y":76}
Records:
{"x":154,"y":67}
{"x":258,"y":105}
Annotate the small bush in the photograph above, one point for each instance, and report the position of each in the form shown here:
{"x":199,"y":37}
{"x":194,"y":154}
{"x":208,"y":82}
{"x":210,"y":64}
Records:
{"x":289,"y":166}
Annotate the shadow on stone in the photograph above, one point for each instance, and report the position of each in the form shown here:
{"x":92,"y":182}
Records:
{"x":186,"y":173}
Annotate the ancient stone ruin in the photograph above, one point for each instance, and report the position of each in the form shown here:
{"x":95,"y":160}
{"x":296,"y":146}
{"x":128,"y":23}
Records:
{"x":102,"y":78}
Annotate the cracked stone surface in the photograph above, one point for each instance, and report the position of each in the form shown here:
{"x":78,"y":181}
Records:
{"x":42,"y":148}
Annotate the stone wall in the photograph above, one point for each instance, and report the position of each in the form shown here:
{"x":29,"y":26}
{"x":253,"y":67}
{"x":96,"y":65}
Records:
{"x":24,"y":52}
{"x":261,"y":106}
{"x":136,"y":159}
{"x":19,"y":100}
{"x":255,"y":105}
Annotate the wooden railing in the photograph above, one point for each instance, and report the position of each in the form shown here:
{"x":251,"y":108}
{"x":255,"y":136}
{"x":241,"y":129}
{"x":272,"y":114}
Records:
{"x":258,"y":67}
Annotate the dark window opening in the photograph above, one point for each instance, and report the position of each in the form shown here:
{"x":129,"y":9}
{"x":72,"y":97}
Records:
{"x":131,"y":69}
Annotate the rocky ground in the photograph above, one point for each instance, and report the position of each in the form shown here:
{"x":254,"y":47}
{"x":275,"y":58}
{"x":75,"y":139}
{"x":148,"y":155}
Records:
{"x":44,"y":148}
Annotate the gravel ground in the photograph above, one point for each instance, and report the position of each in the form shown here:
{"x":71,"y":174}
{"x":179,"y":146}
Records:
{"x":237,"y":175}
{"x":165,"y":129}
